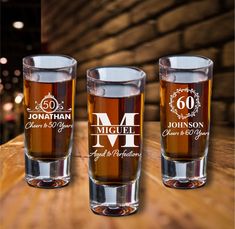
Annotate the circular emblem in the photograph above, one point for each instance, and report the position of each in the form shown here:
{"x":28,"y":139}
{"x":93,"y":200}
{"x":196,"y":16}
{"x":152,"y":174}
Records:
{"x":49,"y":104}
{"x":184,"y":102}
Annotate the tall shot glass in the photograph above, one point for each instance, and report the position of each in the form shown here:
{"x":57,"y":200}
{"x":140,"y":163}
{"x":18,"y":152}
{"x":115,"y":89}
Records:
{"x":115,"y":115}
{"x":49,"y":90}
{"x":185,"y":98}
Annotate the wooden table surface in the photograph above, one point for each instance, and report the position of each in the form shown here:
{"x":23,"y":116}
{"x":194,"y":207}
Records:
{"x":211,"y":206}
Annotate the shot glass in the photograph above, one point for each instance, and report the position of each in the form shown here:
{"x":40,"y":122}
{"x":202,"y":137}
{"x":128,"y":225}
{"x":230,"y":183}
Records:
{"x":49,"y":90}
{"x":115,"y":124}
{"x":185,"y":98}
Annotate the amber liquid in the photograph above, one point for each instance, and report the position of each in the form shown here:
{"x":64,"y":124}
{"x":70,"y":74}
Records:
{"x":113,"y":169}
{"x":185,"y":147}
{"x":48,"y":143}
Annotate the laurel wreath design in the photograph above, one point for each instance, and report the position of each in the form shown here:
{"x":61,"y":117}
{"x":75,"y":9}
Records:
{"x":196,"y":107}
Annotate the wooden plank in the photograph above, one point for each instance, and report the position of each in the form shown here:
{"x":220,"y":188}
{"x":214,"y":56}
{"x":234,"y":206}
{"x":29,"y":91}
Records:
{"x":208,"y":207}
{"x":11,"y":164}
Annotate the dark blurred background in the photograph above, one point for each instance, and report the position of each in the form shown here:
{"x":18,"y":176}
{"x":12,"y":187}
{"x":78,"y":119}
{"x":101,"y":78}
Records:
{"x":120,"y":32}
{"x":20,"y":36}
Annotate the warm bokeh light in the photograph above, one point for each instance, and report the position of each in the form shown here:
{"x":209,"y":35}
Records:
{"x":17,"y":72}
{"x":5,"y":73}
{"x":7,"y":106}
{"x":18,"y":24}
{"x":15,"y":80}
{"x":20,"y":27}
{"x":8,"y":86}
{"x":3,"y":60}
{"x":19,"y":98}
{"x":1,"y":88}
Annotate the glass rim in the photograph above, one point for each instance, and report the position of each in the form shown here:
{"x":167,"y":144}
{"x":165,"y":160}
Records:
{"x":210,"y":62}
{"x":142,"y":74}
{"x":73,"y":61}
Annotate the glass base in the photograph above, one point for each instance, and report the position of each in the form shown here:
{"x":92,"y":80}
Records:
{"x":113,"y":200}
{"x":184,"y":174}
{"x":47,"y":174}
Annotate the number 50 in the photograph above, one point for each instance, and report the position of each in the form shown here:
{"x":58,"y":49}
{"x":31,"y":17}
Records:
{"x":189,"y":103}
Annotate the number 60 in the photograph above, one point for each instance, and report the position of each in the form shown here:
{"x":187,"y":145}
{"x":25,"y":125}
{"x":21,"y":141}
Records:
{"x":189,"y":102}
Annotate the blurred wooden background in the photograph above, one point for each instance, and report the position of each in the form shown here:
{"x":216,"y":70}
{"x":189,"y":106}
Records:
{"x":134,"y":32}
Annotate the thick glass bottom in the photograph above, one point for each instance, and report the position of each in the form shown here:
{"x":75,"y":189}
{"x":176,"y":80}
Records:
{"x":47,"y":174}
{"x":112,"y":200}
{"x":184,"y":174}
